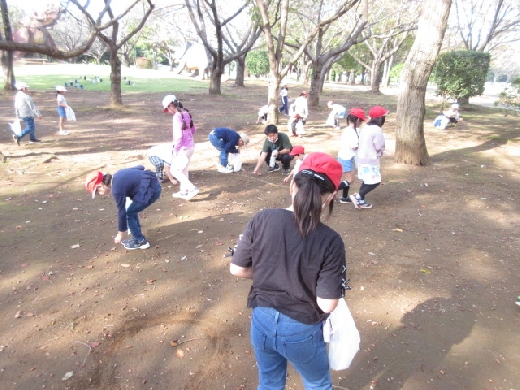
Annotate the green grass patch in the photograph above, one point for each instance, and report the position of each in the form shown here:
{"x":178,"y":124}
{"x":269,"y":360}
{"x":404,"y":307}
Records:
{"x":47,"y":77}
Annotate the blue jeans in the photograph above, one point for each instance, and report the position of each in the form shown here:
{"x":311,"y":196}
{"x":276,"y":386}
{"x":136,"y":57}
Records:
{"x":132,"y":217}
{"x":277,"y":339}
{"x":219,"y":144}
{"x":285,"y":105}
{"x":29,"y":127}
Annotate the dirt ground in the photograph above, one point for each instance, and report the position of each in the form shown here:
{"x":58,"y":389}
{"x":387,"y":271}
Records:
{"x":433,"y":266}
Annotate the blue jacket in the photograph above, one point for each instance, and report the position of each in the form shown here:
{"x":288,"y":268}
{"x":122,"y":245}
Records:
{"x":135,"y":183}
{"x":230,"y":138}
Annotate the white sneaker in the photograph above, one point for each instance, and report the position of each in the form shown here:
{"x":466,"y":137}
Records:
{"x":191,"y":193}
{"x":64,"y":132}
{"x":180,"y":195}
{"x":223,"y":169}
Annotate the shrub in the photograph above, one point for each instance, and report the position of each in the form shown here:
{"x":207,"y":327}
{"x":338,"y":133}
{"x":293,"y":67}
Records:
{"x":461,"y":74}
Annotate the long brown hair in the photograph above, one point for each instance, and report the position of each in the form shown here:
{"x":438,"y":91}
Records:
{"x":308,"y":203}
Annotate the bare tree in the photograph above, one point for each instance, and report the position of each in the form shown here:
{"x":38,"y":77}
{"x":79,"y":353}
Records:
{"x":277,"y":17}
{"x":483,"y":25}
{"x":229,"y":45}
{"x":113,"y":41}
{"x":410,"y":144}
{"x":386,"y":33}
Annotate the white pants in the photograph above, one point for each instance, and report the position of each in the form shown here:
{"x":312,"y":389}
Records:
{"x":179,"y":168}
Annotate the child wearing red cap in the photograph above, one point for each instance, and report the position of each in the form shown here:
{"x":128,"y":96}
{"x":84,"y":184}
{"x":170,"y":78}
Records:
{"x":298,"y":269}
{"x":371,"y":148}
{"x":347,"y":151}
{"x":298,"y":154}
{"x":137,"y":184}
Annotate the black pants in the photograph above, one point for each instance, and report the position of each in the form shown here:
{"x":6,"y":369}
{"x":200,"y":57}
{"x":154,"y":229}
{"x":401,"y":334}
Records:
{"x":284,"y":158}
{"x":366,"y":188}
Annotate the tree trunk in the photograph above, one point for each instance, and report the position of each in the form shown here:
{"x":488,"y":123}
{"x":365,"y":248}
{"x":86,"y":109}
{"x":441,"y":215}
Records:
{"x":375,"y":79}
{"x":126,"y":59}
{"x":386,"y":73}
{"x":410,"y":145}
{"x":215,"y":81}
{"x":352,"y":76}
{"x":463,"y":100}
{"x":6,"y":57}
{"x":241,"y":70}
{"x":317,"y":81}
{"x":115,"y":78}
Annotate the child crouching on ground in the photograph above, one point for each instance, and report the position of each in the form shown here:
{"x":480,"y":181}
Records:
{"x":298,"y":153}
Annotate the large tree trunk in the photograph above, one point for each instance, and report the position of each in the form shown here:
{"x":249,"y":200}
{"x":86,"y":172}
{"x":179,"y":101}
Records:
{"x":241,"y":70}
{"x":115,"y":78}
{"x":6,"y":57}
{"x":317,"y":81}
{"x":410,"y":145}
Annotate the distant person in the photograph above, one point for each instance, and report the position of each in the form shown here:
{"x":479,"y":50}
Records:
{"x":297,"y":266}
{"x":262,"y":114}
{"x":298,"y":114}
{"x":451,"y":115}
{"x":183,"y":146}
{"x":61,"y":108}
{"x":284,"y":97}
{"x":371,"y":148}
{"x":25,"y":110}
{"x":298,"y":155}
{"x":338,"y":112}
{"x":277,"y":147}
{"x":347,"y":151}
{"x":140,"y":186}
{"x":161,"y":157}
{"x":227,"y":141}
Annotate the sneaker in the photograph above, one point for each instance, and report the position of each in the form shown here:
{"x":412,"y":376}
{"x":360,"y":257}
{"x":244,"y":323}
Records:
{"x":518,"y":300}
{"x":274,"y":169}
{"x":34,"y":141}
{"x":285,"y":172}
{"x":354,"y":201}
{"x":63,"y":132}
{"x":126,"y":241}
{"x":223,"y":169}
{"x":364,"y":205}
{"x":191,"y":193}
{"x":180,"y":195}
{"x":16,"y":139}
{"x":134,"y":244}
{"x":345,"y":200}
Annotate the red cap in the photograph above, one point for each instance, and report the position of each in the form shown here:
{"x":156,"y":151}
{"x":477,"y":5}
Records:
{"x":377,"y":112}
{"x":93,"y":180}
{"x":305,"y":93}
{"x":297,"y":150}
{"x":323,"y":163}
{"x":358,"y":113}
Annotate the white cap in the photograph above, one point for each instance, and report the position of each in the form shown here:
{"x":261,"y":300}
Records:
{"x":60,"y":88}
{"x":455,"y":105}
{"x":167,"y":100}
{"x":21,"y":85}
{"x":245,"y":138}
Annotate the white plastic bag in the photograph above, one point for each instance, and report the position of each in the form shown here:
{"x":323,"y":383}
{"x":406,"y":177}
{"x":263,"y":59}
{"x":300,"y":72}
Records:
{"x":71,"y":116}
{"x":343,"y":337}
{"x":16,"y":127}
{"x":236,"y":160}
